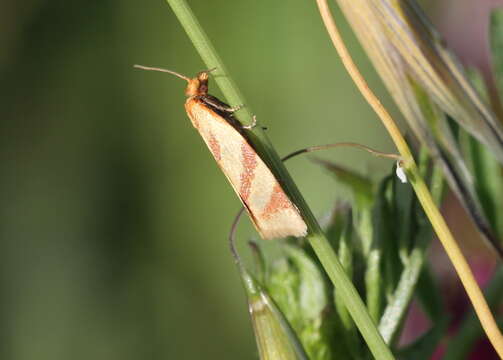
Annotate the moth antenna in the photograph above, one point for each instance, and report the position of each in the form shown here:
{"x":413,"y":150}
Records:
{"x":164,"y":70}
{"x":210,"y":70}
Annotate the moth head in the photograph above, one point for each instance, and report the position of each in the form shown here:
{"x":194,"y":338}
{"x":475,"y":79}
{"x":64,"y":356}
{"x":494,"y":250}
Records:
{"x":197,"y":86}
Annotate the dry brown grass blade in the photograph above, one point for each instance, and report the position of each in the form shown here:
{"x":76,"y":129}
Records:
{"x":426,"y":82}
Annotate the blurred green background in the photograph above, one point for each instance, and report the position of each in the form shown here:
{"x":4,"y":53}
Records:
{"x":113,"y":215}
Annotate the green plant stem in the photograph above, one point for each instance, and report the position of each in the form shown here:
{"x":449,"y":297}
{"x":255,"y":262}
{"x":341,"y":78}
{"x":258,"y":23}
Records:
{"x":265,"y":149}
{"x":425,"y":198}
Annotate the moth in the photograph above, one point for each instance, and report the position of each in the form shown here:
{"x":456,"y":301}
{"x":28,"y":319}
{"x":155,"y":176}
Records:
{"x":272,"y":212}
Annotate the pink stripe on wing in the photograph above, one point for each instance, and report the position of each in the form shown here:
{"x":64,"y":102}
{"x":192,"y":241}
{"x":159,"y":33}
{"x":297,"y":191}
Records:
{"x":249,"y":166}
{"x":215,"y":147}
{"x":277,"y":202}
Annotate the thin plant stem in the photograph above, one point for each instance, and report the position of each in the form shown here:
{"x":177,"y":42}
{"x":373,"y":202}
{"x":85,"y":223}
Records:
{"x":264,"y":148}
{"x":343,"y":144}
{"x":439,"y":225}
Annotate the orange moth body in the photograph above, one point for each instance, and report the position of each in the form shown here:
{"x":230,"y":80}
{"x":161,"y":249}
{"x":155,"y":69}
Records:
{"x":271,"y":211}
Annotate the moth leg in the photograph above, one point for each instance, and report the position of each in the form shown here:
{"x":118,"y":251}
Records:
{"x":252,"y":125}
{"x":232,"y":109}
{"x":217,"y":104}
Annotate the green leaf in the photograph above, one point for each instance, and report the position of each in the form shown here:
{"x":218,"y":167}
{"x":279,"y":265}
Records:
{"x":383,"y":267}
{"x":484,"y":166}
{"x":488,"y":184}
{"x":299,"y":289}
{"x":274,"y":335}
{"x":397,"y":307}
{"x":345,"y":251}
{"x":477,"y":80}
{"x":496,"y":40}
{"x":403,"y":201}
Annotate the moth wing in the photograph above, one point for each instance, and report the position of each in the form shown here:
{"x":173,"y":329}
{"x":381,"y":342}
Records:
{"x":272,"y":212}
